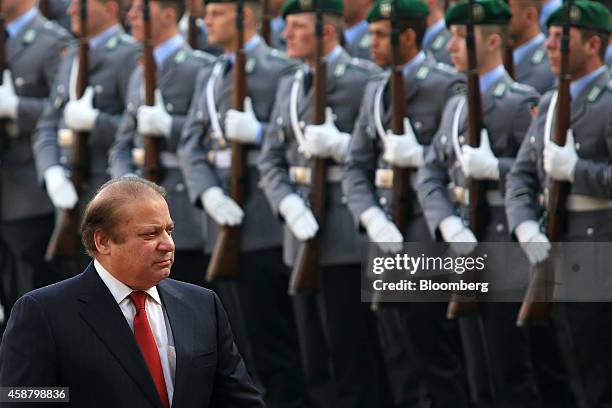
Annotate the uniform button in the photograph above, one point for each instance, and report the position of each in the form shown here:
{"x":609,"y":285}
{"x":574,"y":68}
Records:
{"x":130,"y":107}
{"x":532,"y":139}
{"x":302,"y":124}
{"x":200,"y":115}
{"x":343,"y":200}
{"x":418,"y":125}
{"x":443,"y":139}
{"x":169,"y":107}
{"x":577,"y":145}
{"x":590,"y":231}
{"x":462,"y":139}
{"x":61,"y":88}
{"x":63,"y":160}
{"x":499,"y":228}
{"x":382,"y":201}
{"x":180,"y":187}
{"x":99,"y":89}
{"x":279,"y":121}
{"x":19,"y":82}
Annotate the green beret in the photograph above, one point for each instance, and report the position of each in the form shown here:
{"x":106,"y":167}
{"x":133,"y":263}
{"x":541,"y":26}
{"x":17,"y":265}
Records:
{"x":584,"y":14}
{"x":486,"y":12}
{"x":409,"y":9}
{"x":308,"y":6}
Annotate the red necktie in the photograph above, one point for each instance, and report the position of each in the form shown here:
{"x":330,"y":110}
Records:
{"x":148,"y":347}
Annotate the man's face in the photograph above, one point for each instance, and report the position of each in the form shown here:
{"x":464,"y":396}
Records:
{"x":300,"y":35}
{"x":577,"y":50}
{"x":135,"y":17}
{"x":9,"y":7}
{"x":354,"y":8}
{"x":380,"y":46}
{"x":220,"y":21}
{"x":98,"y":15}
{"x":145,"y":256}
{"x":457,"y":47}
{"x":518,"y":23}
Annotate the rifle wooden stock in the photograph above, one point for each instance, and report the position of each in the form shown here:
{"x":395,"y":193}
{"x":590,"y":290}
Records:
{"x":305,"y":276}
{"x":266,"y":29}
{"x":460,"y":305}
{"x":224,"y":262}
{"x":65,"y":239}
{"x":193,"y":35}
{"x":509,"y":57}
{"x":152,"y":167}
{"x":537,"y":307}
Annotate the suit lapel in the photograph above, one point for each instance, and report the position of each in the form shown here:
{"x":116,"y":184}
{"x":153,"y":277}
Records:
{"x":102,"y":314}
{"x":181,"y":319}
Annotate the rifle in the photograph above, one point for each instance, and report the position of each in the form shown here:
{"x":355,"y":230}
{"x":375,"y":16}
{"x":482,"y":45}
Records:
{"x":509,"y":57}
{"x":226,"y":254}
{"x":477,"y":205}
{"x":266,"y":29}
{"x":305,"y":274}
{"x":401,"y":189}
{"x":152,"y":167}
{"x":193,"y":36}
{"x":65,"y":239}
{"x":533,"y":309}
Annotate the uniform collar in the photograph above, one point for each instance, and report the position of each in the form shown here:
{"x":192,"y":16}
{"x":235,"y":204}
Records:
{"x":104,"y":36}
{"x":165,"y":49}
{"x":329,"y":59}
{"x":413,"y":63}
{"x":15,"y":26}
{"x":521,"y":52}
{"x":577,"y":86}
{"x":432,"y":31}
{"x":118,"y":289}
{"x":353,"y":33}
{"x":487,"y":80}
{"x":249,"y":46}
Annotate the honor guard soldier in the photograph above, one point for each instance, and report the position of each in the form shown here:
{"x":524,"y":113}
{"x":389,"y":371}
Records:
{"x":531,"y":66}
{"x":177,"y":69}
{"x":584,"y":163}
{"x":335,"y":321}
{"x":277,"y":25}
{"x":33,"y":47}
{"x":368,"y":186}
{"x":113,"y":55}
{"x":192,"y":19}
{"x":206,"y":160}
{"x":56,"y":10}
{"x":437,"y":35}
{"x":548,"y":6}
{"x":450,"y":163}
{"x":356,"y":35}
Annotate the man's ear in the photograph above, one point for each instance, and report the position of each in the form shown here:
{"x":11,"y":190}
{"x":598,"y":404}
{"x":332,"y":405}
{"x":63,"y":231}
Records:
{"x":594,"y":45}
{"x":102,"y":242}
{"x":408,"y":37}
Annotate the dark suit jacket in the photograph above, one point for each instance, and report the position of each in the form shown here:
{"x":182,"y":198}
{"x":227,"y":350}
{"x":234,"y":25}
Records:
{"x":73,"y":334}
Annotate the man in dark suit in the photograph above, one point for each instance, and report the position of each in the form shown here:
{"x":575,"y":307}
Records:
{"x":120,"y":334}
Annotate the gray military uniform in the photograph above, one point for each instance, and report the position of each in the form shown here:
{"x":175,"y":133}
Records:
{"x":360,"y":46}
{"x":58,"y":11}
{"x":506,"y":107}
{"x":26,"y":213}
{"x":176,"y":77}
{"x":110,"y":67}
{"x":534,"y":70}
{"x":437,"y":47}
{"x":203,"y":44}
{"x":345,"y":80}
{"x":205,"y":157}
{"x":583,"y":327}
{"x":367,"y":183}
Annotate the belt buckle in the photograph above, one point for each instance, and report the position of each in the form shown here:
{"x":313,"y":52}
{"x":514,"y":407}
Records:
{"x":461,"y":196}
{"x":138,"y":156}
{"x":384,"y":178}
{"x":220,"y":158}
{"x":300,"y":175}
{"x":65,"y":138}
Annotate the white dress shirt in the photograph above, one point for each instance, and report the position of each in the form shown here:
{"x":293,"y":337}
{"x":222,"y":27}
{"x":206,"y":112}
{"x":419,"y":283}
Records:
{"x":158,"y":320}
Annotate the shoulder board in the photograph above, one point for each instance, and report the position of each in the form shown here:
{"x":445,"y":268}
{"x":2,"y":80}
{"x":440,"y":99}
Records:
{"x":444,"y":69}
{"x":203,"y":56}
{"x":277,"y":54}
{"x":290,"y":70}
{"x":56,"y":29}
{"x":363,"y":65}
{"x":521,"y":88}
{"x":595,"y":93}
{"x":128,"y":38}
{"x":538,"y":56}
{"x":500,"y":90}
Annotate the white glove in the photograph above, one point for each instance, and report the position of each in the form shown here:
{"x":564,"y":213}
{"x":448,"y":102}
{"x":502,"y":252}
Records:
{"x":8,"y":97}
{"x":60,"y":189}
{"x":221,"y":208}
{"x":242,"y":127}
{"x":326,"y":140}
{"x":154,"y":120}
{"x":403,"y":150}
{"x":560,"y":162}
{"x":535,"y":244}
{"x":480,"y":163}
{"x":460,"y":237}
{"x":381,"y":230}
{"x":80,"y":115}
{"x":298,"y":217}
